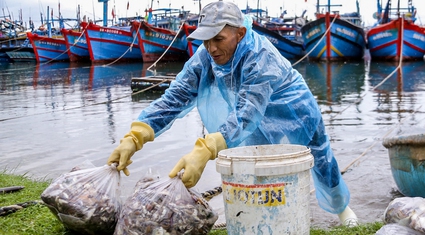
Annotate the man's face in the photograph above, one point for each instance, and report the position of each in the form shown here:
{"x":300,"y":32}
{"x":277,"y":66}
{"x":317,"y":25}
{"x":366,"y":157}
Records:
{"x":223,"y":45}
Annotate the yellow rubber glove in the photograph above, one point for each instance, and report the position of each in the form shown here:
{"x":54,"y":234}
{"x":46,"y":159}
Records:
{"x":194,"y":163}
{"x":133,"y":141}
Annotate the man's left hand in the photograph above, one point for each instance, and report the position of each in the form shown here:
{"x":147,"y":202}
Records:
{"x":195,"y":162}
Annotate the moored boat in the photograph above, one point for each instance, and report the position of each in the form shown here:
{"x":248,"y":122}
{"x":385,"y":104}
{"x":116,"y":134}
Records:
{"x":111,"y":43}
{"x":156,"y":42}
{"x":278,"y":33}
{"x":76,"y":43}
{"x":162,"y":35}
{"x":290,"y":49}
{"x":47,"y":48}
{"x":407,"y":157}
{"x":48,"y":43}
{"x":397,"y":36}
{"x":345,"y":39}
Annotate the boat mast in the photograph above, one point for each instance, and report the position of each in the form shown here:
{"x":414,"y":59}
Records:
{"x":398,"y":8}
{"x":105,"y":12}
{"x":318,"y":6}
{"x":258,"y":9}
{"x":329,"y":6}
{"x":49,"y":27}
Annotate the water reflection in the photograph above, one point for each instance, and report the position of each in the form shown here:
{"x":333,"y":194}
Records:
{"x":410,"y":78}
{"x":331,"y":81}
{"x":87,"y":76}
{"x":400,"y":92}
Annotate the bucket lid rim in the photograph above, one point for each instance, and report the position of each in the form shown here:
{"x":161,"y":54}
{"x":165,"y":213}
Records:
{"x":265,"y":157}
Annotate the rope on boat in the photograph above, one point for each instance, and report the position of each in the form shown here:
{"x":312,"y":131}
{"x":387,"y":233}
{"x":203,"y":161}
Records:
{"x":175,"y":37}
{"x":317,"y":44}
{"x":128,"y":49}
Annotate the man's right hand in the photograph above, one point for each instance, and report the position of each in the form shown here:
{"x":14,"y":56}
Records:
{"x":133,"y":141}
{"x":122,"y":155}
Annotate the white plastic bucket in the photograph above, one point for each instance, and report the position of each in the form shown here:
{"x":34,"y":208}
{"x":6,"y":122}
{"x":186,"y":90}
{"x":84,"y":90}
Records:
{"x":266,"y":189}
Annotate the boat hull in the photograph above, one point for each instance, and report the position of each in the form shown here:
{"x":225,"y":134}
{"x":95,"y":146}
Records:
{"x":288,"y":48}
{"x":48,"y":49}
{"x":344,"y":40}
{"x":395,"y":40}
{"x":156,"y":43}
{"x":108,"y":44}
{"x":76,"y":44}
{"x":407,"y":158}
{"x":192,"y":46}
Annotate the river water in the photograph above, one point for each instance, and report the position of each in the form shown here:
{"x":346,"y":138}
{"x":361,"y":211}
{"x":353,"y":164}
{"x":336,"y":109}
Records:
{"x":56,"y":116}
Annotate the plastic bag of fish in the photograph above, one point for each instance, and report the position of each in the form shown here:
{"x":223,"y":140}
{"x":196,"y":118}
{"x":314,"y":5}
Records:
{"x":407,"y":211}
{"x":86,"y":200}
{"x":163,"y":207}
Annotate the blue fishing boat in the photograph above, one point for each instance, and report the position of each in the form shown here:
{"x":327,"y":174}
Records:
{"x":48,"y":49}
{"x":49,"y":44}
{"x":345,"y":39}
{"x":111,"y":43}
{"x":280,"y":34}
{"x":396,"y":36}
{"x":290,"y":49}
{"x":407,"y":156}
{"x":76,"y":43}
{"x":161,"y":36}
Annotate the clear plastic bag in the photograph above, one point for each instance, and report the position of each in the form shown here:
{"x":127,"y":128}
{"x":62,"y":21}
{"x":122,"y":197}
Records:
{"x":86,"y":200}
{"x":165,"y":207}
{"x":396,"y":229}
{"x":407,"y":211}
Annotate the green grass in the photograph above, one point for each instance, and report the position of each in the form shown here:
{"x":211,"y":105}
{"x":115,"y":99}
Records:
{"x":38,"y":220}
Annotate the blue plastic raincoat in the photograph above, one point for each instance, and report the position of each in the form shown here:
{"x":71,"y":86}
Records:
{"x":256,"y":98}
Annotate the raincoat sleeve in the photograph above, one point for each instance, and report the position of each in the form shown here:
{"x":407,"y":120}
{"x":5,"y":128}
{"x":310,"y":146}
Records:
{"x":178,"y":100}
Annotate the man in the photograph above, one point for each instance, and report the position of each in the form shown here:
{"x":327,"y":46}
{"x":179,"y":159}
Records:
{"x":246,"y":93}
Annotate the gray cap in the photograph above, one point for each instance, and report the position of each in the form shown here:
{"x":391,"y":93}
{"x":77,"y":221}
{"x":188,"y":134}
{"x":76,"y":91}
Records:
{"x":214,"y":17}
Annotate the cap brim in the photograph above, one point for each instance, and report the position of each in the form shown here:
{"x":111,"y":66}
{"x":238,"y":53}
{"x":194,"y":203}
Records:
{"x":204,"y":33}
